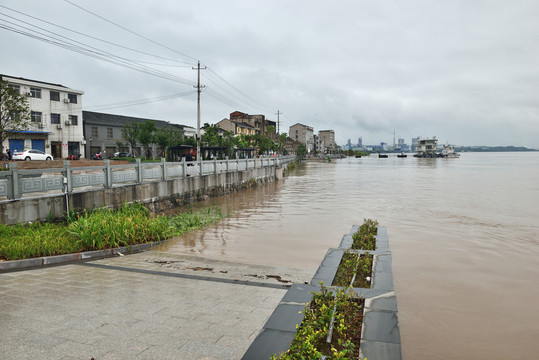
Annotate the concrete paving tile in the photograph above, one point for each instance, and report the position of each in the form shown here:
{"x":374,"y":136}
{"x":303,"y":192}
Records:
{"x":200,"y":350}
{"x":74,"y":349}
{"x":79,"y":335}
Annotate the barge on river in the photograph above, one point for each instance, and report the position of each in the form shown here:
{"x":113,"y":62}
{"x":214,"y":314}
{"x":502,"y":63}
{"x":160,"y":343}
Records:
{"x":428,"y":148}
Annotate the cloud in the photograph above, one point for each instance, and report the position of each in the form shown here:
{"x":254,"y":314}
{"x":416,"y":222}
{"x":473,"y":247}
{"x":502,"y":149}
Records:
{"x":462,"y":70}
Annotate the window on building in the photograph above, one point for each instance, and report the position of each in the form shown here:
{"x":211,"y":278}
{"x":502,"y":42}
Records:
{"x":74,"y":119}
{"x":36,"y":116}
{"x":55,"y":96}
{"x":16,"y":88}
{"x":35,"y":92}
{"x":55,"y":118}
{"x":72,"y":98}
{"x":94,"y":131}
{"x":109,"y":133}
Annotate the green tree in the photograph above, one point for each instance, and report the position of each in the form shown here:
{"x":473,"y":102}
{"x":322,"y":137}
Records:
{"x":301,"y":151}
{"x":166,"y":138}
{"x":15,"y":112}
{"x":130,"y":134}
{"x":263,"y":143}
{"x":211,"y":135}
{"x":145,"y":135}
{"x":281,"y":142}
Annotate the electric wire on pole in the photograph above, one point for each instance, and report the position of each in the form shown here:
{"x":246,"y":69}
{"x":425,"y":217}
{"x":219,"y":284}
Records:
{"x":198,"y":87}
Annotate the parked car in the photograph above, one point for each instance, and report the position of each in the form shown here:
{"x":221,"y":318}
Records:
{"x":119,"y":154}
{"x":31,"y":154}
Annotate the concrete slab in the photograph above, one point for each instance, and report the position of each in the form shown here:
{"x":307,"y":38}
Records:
{"x":143,"y":306}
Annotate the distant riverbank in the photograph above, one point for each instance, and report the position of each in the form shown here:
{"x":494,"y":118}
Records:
{"x":492,"y":148}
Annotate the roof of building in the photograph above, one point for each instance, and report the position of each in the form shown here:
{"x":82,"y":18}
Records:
{"x":91,"y":117}
{"x":37,"y":81}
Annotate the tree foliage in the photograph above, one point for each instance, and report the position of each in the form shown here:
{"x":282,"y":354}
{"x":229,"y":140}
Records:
{"x":15,"y":112}
{"x":146,"y":133}
{"x":301,"y":150}
{"x":130,"y":134}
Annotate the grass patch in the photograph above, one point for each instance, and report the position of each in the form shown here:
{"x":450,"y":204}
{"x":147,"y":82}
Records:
{"x":99,"y":229}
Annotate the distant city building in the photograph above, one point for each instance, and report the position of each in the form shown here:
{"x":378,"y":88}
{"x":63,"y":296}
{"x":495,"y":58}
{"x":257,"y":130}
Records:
{"x":360,"y":142}
{"x":414,"y":143}
{"x":56,"y":118}
{"x":303,"y":134}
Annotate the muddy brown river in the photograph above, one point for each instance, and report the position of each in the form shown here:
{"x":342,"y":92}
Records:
{"x":464,"y":235}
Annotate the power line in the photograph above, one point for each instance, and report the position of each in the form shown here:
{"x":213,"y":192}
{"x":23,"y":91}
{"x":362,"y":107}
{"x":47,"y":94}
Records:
{"x":95,"y":38}
{"x":130,"y":31}
{"x":62,"y":41}
{"x":140,"y":101}
{"x":77,"y":46}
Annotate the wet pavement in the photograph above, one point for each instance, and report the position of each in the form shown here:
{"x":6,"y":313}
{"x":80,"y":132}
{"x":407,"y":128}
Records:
{"x":151,"y":305}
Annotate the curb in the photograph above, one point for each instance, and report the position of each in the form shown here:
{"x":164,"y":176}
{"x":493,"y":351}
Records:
{"x":16,"y":265}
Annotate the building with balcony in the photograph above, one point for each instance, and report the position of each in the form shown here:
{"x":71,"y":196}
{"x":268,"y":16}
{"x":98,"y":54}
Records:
{"x":56,"y":118}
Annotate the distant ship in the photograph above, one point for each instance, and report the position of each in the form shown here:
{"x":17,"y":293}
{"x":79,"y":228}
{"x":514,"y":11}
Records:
{"x":448,"y":151}
{"x":427,"y":148}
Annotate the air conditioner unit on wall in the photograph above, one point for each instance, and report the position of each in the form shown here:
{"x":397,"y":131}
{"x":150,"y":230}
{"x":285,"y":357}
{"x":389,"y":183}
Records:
{"x":59,"y":126}
{"x":68,"y":122}
{"x":66,"y":100}
{"x":28,"y":93}
{"x":40,"y":125}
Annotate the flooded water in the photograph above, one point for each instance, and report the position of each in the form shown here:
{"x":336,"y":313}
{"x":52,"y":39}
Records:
{"x":464,"y":235}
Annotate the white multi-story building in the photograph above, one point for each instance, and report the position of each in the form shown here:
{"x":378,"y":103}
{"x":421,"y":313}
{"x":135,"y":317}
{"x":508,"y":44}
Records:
{"x":56,"y":118}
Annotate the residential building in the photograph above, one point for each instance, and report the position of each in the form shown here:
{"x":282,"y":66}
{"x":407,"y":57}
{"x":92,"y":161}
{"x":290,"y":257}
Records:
{"x":236,"y":127}
{"x":56,"y":118}
{"x":103,"y":133}
{"x":257,"y":122}
{"x":327,"y":137}
{"x":303,"y":134}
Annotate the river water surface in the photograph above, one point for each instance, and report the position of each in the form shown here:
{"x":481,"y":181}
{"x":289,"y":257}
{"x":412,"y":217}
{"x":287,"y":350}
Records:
{"x":464,"y":235}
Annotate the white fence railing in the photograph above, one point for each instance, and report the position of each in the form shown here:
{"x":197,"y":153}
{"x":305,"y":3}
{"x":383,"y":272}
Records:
{"x":15,"y":183}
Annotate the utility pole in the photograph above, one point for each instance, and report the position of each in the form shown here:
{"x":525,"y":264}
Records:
{"x":198,"y":87}
{"x":278,"y":122}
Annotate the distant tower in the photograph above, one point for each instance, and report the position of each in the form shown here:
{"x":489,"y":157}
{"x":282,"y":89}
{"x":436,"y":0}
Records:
{"x":360,"y":142}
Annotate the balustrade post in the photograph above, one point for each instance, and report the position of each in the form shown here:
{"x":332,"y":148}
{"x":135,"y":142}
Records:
{"x":15,"y":183}
{"x":200,"y":164}
{"x":184,"y":168}
{"x":68,"y":173}
{"x":108,"y":174}
{"x":138,"y":169}
{"x":215,"y":165}
{"x":163,"y":169}
{"x":227,"y":164}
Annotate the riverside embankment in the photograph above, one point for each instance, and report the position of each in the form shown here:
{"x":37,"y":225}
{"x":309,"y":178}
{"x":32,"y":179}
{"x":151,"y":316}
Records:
{"x":39,"y":194}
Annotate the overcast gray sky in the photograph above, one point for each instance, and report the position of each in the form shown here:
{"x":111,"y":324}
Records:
{"x":466,"y":71}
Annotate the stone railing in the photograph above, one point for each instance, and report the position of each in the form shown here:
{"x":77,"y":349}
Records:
{"x":18,"y":183}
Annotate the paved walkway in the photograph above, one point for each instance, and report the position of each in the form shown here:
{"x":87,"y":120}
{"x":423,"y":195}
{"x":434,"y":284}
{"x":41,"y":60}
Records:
{"x":149,"y":305}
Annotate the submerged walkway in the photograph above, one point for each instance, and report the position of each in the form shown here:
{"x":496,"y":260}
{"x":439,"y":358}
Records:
{"x":149,"y":305}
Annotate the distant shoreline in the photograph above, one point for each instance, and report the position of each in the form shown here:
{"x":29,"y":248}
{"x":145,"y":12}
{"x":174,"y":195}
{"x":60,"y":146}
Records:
{"x":492,"y":148}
